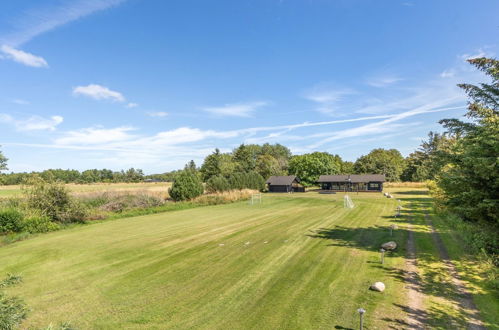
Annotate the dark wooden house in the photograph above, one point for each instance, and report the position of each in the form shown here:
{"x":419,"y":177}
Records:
{"x":289,"y":183}
{"x":352,"y":182}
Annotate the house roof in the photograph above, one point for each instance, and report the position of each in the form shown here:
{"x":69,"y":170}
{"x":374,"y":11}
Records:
{"x":282,"y":180}
{"x":355,"y":178}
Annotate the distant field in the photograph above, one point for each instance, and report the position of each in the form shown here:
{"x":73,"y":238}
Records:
{"x":296,"y":261}
{"x":79,"y":189}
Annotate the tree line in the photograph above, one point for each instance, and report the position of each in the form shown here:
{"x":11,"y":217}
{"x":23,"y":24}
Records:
{"x":72,"y":176}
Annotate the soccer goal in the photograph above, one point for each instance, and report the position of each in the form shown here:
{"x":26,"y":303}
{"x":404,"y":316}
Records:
{"x":347,"y":202}
{"x":256,"y":199}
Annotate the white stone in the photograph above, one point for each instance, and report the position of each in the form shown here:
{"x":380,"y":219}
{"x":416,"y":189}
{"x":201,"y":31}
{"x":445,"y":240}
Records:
{"x":389,"y":245}
{"x":378,"y":286}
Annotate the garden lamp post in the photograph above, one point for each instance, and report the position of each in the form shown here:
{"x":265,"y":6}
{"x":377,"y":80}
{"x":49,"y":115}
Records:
{"x":361,"y":315}
{"x":382,"y":255}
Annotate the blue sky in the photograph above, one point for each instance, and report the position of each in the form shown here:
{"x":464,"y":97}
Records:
{"x":152,"y":84}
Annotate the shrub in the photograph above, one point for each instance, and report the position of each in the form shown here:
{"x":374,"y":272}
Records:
{"x":217,"y":183}
{"x":120,"y":203}
{"x":224,"y":197}
{"x":249,"y":180}
{"x":186,"y":186}
{"x":11,"y":221}
{"x":53,"y":200}
{"x":39,"y":224}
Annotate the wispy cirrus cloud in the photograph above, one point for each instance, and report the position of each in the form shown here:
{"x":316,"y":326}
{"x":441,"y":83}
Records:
{"x":159,"y":114}
{"x":236,"y":109}
{"x":36,"y":21}
{"x":382,"y":81}
{"x":23,"y":57}
{"x":327,"y":98}
{"x":98,"y":92}
{"x":32,"y":123}
{"x":20,"y":101}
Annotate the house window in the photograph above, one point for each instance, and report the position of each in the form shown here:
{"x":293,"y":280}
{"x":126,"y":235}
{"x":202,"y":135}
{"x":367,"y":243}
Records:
{"x":373,"y":185}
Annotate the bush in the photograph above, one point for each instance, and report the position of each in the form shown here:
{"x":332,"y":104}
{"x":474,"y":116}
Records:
{"x":249,"y":180}
{"x":120,"y":203}
{"x":54,"y":201}
{"x":186,"y":186}
{"x":217,"y":184}
{"x":11,"y":221}
{"x":39,"y":224}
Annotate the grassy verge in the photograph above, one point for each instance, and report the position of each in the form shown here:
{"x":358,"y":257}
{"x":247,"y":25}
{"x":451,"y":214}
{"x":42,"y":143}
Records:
{"x":442,"y":304}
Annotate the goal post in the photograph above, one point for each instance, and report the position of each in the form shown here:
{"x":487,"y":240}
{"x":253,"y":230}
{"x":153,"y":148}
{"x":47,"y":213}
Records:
{"x":347,"y":202}
{"x":256,"y":199}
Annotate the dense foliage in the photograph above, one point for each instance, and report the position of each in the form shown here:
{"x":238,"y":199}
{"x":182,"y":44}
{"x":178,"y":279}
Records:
{"x":469,"y":182}
{"x":309,"y":167}
{"x":381,"y":161}
{"x":217,"y":183}
{"x":187,"y":185}
{"x":267,"y":160}
{"x":427,"y":161}
{"x":52,"y":199}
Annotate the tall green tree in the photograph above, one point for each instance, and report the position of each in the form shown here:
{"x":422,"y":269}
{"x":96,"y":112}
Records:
{"x":470,"y":182}
{"x":3,"y":162}
{"x":381,"y":161}
{"x":187,"y":185}
{"x":267,"y":165}
{"x":211,"y":165}
{"x":427,"y":161}
{"x":309,"y":167}
{"x":245,"y":158}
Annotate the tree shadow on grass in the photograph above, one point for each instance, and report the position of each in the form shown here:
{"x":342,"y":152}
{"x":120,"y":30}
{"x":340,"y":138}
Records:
{"x":366,"y":238}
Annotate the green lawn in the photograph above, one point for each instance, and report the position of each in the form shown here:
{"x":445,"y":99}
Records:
{"x":297,"y":261}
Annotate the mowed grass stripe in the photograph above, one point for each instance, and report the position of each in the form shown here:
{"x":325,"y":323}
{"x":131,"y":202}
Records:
{"x":169,"y":271}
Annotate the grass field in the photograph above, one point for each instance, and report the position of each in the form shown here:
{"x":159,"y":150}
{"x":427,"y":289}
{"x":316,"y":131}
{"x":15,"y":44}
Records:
{"x":81,"y":189}
{"x":297,"y":261}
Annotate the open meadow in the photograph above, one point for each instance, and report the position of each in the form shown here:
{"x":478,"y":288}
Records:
{"x":296,"y":261}
{"x":155,"y":188}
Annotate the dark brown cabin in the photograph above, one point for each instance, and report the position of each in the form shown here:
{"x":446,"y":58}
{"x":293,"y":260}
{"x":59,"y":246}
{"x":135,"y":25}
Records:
{"x":352,"y":182}
{"x":289,"y":183}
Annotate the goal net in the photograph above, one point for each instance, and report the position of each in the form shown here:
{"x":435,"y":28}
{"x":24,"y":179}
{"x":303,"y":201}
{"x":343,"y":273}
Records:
{"x":256,"y":199}
{"x":347,"y":202}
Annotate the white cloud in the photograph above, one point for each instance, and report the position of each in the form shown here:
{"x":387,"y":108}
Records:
{"x":96,"y":136}
{"x":23,"y":57}
{"x":236,"y":109}
{"x":43,"y":19}
{"x":132,"y":105}
{"x":480,"y":52}
{"x":160,"y":114}
{"x":327,"y":98}
{"x":448,"y":73}
{"x":98,"y":92}
{"x":20,"y":102}
{"x":383,"y":81}
{"x":33,"y":123}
